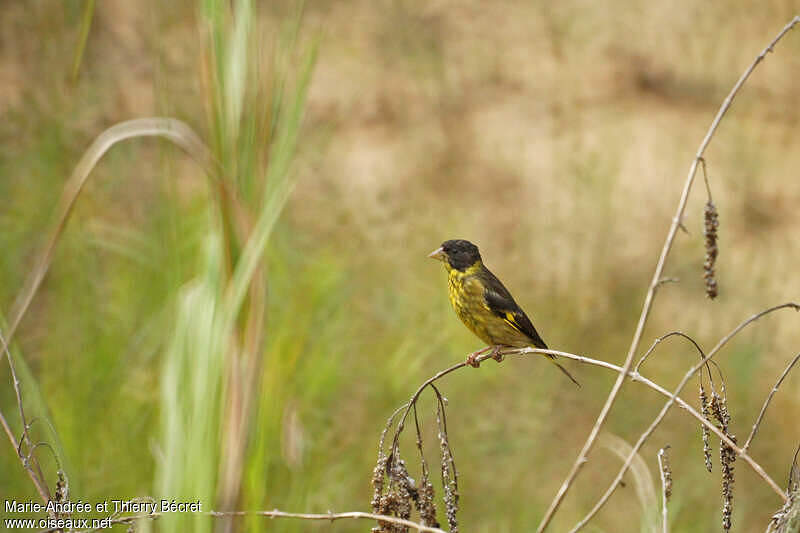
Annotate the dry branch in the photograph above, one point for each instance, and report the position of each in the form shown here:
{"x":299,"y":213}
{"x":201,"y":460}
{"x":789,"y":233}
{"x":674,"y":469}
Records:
{"x":401,"y":489}
{"x":580,"y":461}
{"x":330,"y":517}
{"x":772,"y":392}
{"x":29,"y":462}
{"x":787,"y":519}
{"x":673,"y":397}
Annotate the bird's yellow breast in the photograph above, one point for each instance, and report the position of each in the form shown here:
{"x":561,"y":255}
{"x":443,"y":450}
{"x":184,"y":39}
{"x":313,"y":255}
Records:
{"x":466,"y":294}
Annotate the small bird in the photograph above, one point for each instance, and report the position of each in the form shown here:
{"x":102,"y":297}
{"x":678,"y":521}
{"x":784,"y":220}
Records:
{"x":484,"y":305}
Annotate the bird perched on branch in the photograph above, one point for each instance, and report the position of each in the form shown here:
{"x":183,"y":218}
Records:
{"x":484,"y":305}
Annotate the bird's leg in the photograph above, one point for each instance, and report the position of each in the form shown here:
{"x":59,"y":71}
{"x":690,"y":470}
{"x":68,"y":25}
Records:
{"x":471,"y":358}
{"x":496,"y":355}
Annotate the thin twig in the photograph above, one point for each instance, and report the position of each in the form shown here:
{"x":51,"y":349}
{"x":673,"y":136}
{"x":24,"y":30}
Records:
{"x":389,"y":423}
{"x":668,"y":279}
{"x":16,"y":445}
{"x":638,"y":378}
{"x":658,"y":340}
{"x":30,"y":463}
{"x":413,"y":402}
{"x":449,"y":472}
{"x":581,"y":460}
{"x":739,"y":451}
{"x":330,"y":517}
{"x":757,"y":423}
{"x":419,"y":444}
{"x":793,"y":485}
{"x":743,"y":324}
{"x":705,"y":177}
{"x":443,"y":415}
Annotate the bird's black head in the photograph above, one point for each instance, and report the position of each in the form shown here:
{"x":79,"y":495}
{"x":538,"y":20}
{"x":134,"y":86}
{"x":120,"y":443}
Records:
{"x":458,"y":254}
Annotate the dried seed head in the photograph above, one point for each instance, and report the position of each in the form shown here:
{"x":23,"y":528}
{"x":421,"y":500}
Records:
{"x":727,"y":456}
{"x":794,"y":475}
{"x":62,"y":492}
{"x":666,"y":471}
{"x":62,"y":487}
{"x":425,"y":504}
{"x":715,"y":405}
{"x":782,"y":520}
{"x":395,"y":496}
{"x":449,"y":483}
{"x":704,"y":409}
{"x":378,"y":476}
{"x":710,"y":233}
{"x":396,"y":501}
{"x":401,"y":492}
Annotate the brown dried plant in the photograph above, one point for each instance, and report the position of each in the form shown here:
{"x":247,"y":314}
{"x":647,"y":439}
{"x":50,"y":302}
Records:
{"x":395,"y":491}
{"x":719,"y":410}
{"x":666,"y":485}
{"x":710,"y":227}
{"x":706,"y":445}
{"x":449,"y":473}
{"x":787,"y":519}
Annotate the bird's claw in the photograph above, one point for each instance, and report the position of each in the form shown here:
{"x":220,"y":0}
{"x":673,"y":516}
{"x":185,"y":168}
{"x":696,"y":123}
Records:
{"x":474,"y":362}
{"x":496,"y":355}
{"x":472,"y":359}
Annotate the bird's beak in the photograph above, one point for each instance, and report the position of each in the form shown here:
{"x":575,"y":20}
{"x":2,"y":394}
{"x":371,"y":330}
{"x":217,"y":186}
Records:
{"x":437,"y":254}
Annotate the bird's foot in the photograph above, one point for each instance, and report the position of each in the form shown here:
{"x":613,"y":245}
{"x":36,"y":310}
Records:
{"x":472,"y":359}
{"x":496,"y":355}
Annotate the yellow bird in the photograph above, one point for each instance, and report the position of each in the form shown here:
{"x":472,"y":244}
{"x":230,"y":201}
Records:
{"x":484,"y":305}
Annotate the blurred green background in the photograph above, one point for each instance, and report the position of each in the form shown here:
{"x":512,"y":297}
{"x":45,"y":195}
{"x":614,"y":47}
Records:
{"x":555,"y":135}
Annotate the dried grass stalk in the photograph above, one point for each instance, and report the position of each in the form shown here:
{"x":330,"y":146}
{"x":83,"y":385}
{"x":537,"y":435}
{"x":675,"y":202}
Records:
{"x":712,"y":250}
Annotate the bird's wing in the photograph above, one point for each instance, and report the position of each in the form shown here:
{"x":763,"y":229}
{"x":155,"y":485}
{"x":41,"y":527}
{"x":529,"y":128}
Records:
{"x":502,"y":304}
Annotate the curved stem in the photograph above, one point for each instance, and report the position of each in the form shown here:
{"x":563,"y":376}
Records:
{"x":772,"y":392}
{"x":580,"y":461}
{"x":638,"y":366}
{"x":30,"y":464}
{"x":412,"y":402}
{"x":40,"y":487}
{"x":176,"y":131}
{"x":672,"y":397}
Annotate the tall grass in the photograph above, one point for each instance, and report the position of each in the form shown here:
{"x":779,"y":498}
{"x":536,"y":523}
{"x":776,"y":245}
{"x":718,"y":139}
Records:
{"x":214,"y":371}
{"x":213,"y":357}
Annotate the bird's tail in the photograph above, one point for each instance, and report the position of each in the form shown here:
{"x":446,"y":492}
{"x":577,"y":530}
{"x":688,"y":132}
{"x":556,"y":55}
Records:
{"x":552,"y":359}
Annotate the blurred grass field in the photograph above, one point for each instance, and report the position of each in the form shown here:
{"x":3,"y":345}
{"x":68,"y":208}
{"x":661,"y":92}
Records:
{"x":555,"y":136}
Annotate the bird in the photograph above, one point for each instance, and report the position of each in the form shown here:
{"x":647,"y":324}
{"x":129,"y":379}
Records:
{"x":484,"y":304}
